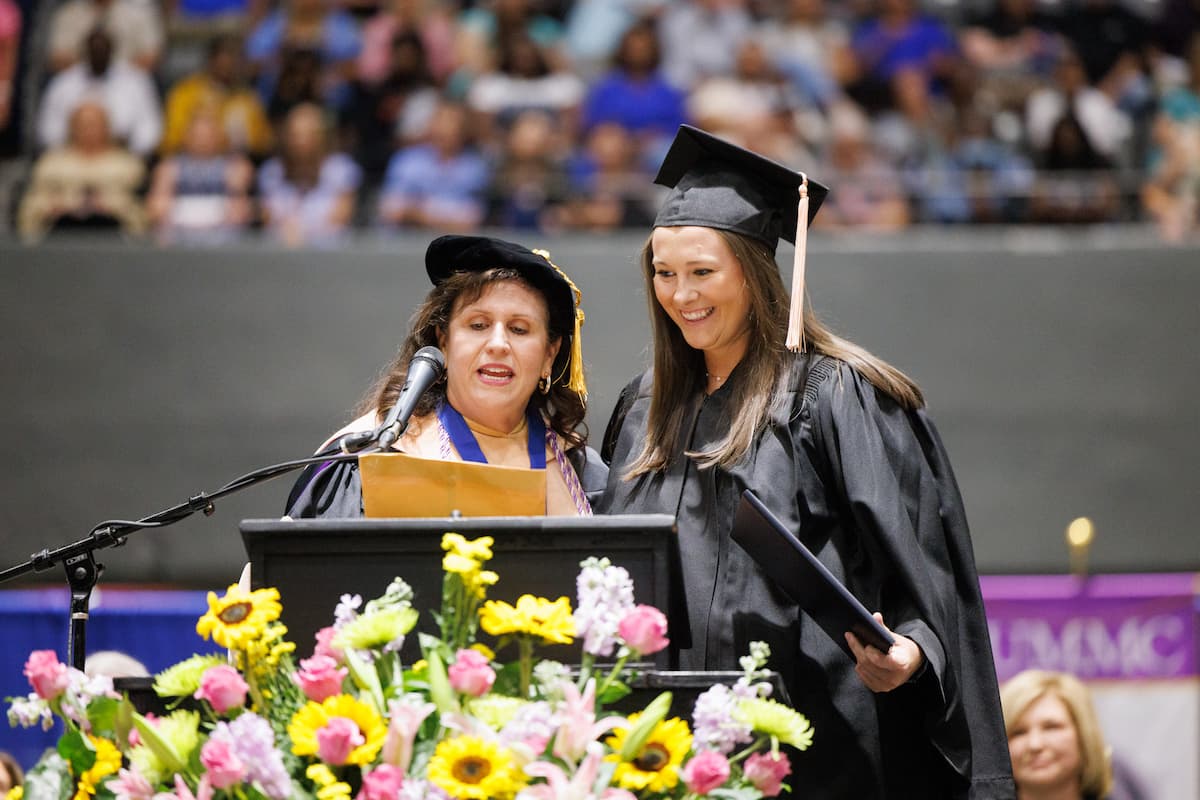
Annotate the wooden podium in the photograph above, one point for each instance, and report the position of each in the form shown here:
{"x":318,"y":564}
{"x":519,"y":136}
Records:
{"x":314,"y":562}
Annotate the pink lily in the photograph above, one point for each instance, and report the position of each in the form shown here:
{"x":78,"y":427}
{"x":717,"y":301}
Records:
{"x":580,"y":787}
{"x":203,"y":792}
{"x":405,"y":721}
{"x":579,"y":726}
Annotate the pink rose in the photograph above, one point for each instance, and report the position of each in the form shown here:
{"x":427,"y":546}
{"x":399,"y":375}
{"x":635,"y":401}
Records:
{"x":381,"y":783}
{"x":644,"y":629}
{"x":471,"y":674}
{"x":319,"y":677}
{"x":337,"y":739}
{"x":705,"y":771}
{"x":766,"y":772}
{"x":222,"y":686}
{"x":47,"y":675}
{"x":225,"y":769}
{"x":324,"y":646}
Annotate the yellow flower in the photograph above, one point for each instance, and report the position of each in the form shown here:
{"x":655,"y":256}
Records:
{"x":535,"y":616}
{"x":470,"y":768}
{"x":15,"y":793}
{"x":239,"y":617}
{"x":331,"y":787}
{"x":108,"y":761}
{"x":774,"y":719}
{"x":484,"y":651}
{"x":459,"y":564}
{"x":656,"y":765}
{"x":262,"y":654}
{"x":313,"y":716}
{"x":476,"y":549}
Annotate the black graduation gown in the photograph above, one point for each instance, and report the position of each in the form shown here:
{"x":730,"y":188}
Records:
{"x":334,"y":490}
{"x":868,"y":487}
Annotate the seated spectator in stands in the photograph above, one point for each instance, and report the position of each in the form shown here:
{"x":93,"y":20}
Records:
{"x":523,"y":80}
{"x":307,"y":192}
{"x":529,"y":180}
{"x":298,"y":83}
{"x":1113,"y":44}
{"x":427,"y":19}
{"x":440,"y":184}
{"x":635,"y":95}
{"x":1075,"y":184}
{"x":10,"y":45}
{"x":753,"y":105}
{"x":394,"y":111}
{"x":483,"y":28}
{"x":1171,"y":191}
{"x":607,"y":188}
{"x":869,"y":192}
{"x":811,"y":48}
{"x":126,"y":92}
{"x":11,"y":776}
{"x":1013,"y":46}
{"x":902,"y":58}
{"x":134,"y":27}
{"x":1107,"y":128}
{"x":594,"y":28}
{"x":201,"y":194}
{"x":221,"y":85}
{"x":699,"y":38}
{"x":307,"y":25}
{"x":1054,"y":738}
{"x":90,"y":183}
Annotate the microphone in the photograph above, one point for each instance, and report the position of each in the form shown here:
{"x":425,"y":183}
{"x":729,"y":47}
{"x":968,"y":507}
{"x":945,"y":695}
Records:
{"x":425,"y":368}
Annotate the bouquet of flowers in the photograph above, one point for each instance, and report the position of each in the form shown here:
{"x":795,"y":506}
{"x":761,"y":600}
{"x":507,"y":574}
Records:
{"x":353,"y":721}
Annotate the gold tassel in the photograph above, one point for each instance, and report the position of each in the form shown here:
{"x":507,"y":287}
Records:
{"x":575,"y":379}
{"x":795,"y":331}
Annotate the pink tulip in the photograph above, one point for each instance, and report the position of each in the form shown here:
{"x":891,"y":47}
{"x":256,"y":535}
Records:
{"x":319,"y":677}
{"x":224,"y":768}
{"x":705,"y":771}
{"x":471,"y":674}
{"x":644,"y":629}
{"x":47,"y":675}
{"x":381,"y":783}
{"x":337,"y":739}
{"x":766,"y":772}
{"x":222,"y":686}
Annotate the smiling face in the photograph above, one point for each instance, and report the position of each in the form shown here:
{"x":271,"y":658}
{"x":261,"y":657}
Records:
{"x":497,"y":347}
{"x":1044,"y":746}
{"x":700,"y":284}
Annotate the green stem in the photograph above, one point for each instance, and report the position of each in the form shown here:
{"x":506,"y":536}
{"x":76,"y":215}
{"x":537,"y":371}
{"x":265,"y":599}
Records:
{"x":525,"y":646}
{"x":749,"y":751}
{"x":612,"y":675}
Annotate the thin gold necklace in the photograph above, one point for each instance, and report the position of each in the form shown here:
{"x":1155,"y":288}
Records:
{"x":717,"y":378}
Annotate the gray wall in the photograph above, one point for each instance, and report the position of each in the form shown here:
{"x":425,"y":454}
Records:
{"x":1061,"y":369}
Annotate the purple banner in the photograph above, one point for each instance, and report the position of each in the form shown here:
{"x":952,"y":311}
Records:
{"x":1104,"y":627}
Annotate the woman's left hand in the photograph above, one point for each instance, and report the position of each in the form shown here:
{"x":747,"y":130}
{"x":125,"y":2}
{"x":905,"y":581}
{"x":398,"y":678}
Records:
{"x":883,"y":672}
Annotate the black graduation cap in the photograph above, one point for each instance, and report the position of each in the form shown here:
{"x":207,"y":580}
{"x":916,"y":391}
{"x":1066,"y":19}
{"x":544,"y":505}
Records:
{"x":717,"y":184}
{"x":449,"y":254}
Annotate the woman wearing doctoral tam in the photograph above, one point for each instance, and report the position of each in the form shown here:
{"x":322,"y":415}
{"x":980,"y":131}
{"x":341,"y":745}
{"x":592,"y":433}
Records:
{"x":748,"y":391}
{"x":507,"y":321}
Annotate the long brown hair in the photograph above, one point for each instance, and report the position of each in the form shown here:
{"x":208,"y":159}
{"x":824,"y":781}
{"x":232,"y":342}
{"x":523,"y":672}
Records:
{"x":679,"y":368}
{"x":564,"y":407}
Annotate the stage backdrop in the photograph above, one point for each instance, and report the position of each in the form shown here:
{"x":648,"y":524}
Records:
{"x":1061,"y":369}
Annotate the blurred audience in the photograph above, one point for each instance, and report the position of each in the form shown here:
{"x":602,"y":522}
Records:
{"x":1013,"y":46}
{"x":1054,"y":738}
{"x":869,"y":192}
{"x":594,"y":28}
{"x":484,"y":27}
{"x":221,"y":87}
{"x":90,"y":183}
{"x":1106,"y":127}
{"x":308,"y":191}
{"x":607,"y":188}
{"x":10,"y":45}
{"x":201,"y":195}
{"x":1075,"y":184}
{"x":429,"y":20}
{"x":529,"y":179}
{"x":318,"y":31}
{"x":134,"y":26}
{"x":126,"y":92}
{"x":699,"y":38}
{"x":439,"y":184}
{"x":11,"y":775}
{"x":811,"y":48}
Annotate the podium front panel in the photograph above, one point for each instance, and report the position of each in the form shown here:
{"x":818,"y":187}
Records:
{"x":314,"y":562}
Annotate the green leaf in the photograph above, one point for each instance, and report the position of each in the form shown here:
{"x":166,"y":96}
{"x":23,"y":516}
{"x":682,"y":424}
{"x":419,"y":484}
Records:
{"x":655,"y":713}
{"x":77,"y":751}
{"x":612,"y":693}
{"x":367,"y":679}
{"x":439,"y":684}
{"x":166,"y":754}
{"x":102,"y":712}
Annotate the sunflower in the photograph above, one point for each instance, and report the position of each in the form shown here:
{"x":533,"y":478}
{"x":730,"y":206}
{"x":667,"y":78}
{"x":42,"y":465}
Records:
{"x":108,"y":761}
{"x":656,"y":765}
{"x":314,"y":716}
{"x":239,"y":616}
{"x":470,"y":768}
{"x":536,"y":616}
{"x":776,"y":720}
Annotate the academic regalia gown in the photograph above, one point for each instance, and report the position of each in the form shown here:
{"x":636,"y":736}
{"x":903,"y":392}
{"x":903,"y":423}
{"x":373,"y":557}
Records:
{"x":868,"y":487}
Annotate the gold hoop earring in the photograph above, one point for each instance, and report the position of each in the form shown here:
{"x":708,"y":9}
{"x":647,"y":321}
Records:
{"x":544,"y":384}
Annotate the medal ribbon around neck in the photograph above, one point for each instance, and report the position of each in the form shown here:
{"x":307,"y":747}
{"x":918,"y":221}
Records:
{"x":467,"y":445}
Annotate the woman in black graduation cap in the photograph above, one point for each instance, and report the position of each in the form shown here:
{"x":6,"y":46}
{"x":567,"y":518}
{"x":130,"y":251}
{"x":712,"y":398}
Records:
{"x":837,"y":445}
{"x":507,"y":320}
